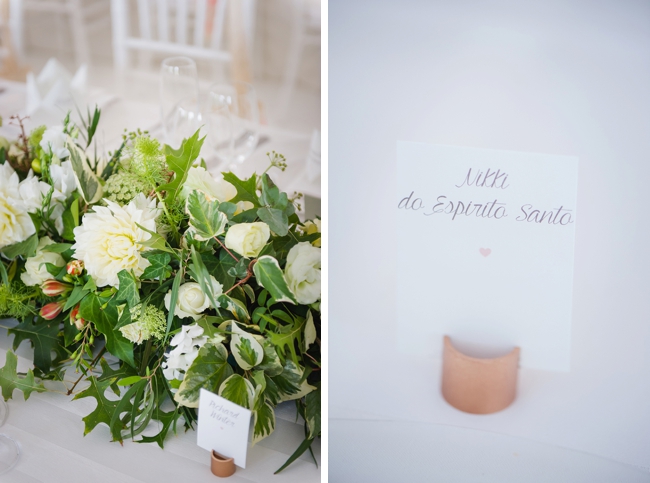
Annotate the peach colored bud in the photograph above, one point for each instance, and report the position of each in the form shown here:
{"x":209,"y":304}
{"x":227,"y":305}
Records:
{"x":75,"y":319}
{"x":53,"y":288}
{"x":51,"y":310}
{"x":75,"y":267}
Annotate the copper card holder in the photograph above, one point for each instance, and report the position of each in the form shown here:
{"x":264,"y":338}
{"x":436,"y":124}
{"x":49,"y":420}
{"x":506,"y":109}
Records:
{"x":222,"y":466}
{"x":479,"y":386}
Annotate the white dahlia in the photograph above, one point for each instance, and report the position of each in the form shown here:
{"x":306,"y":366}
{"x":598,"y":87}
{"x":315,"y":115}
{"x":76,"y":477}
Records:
{"x":109,"y":240}
{"x":15,"y":223}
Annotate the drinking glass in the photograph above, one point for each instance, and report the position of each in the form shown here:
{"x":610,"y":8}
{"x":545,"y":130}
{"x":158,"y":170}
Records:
{"x":241,"y":100}
{"x":179,"y":99}
{"x":9,"y":450}
{"x":219,"y":122}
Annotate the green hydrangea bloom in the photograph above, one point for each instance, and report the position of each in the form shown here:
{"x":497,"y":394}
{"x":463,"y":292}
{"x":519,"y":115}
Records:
{"x":147,"y":323}
{"x":122,"y":187}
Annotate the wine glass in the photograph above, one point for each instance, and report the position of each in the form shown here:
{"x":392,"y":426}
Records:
{"x":9,"y":450}
{"x":220,"y":129}
{"x":241,"y":100}
{"x":179,"y":99}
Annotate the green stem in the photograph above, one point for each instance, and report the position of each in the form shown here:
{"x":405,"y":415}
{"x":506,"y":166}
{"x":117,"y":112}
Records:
{"x":145,"y":357}
{"x":164,"y":205}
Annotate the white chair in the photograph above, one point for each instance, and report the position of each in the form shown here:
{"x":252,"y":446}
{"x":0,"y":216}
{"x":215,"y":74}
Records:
{"x":84,"y":16}
{"x":193,"y":28}
{"x":306,"y":31}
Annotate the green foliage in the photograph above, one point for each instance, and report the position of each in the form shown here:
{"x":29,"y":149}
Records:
{"x":208,"y":371}
{"x":122,"y":187}
{"x":43,"y":335}
{"x":16,"y":299}
{"x":276,"y":209}
{"x":205,"y":216}
{"x":104,"y":317}
{"x":91,"y":188}
{"x":25,"y":248}
{"x":238,"y":390}
{"x":128,"y":291}
{"x":180,"y":161}
{"x":269,"y":275}
{"x":105,"y":409}
{"x":246,"y":189}
{"x":10,"y":380}
{"x":159,"y":268}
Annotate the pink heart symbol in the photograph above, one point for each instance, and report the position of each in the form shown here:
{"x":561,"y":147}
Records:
{"x":485,"y":251}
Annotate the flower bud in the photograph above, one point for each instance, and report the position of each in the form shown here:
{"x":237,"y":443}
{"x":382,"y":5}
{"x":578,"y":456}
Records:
{"x":52,"y":288}
{"x":75,"y":319}
{"x":75,"y":267}
{"x":51,"y":310}
{"x":36,"y":166}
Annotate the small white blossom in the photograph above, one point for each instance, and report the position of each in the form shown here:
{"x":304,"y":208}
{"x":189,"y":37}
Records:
{"x":53,"y":142}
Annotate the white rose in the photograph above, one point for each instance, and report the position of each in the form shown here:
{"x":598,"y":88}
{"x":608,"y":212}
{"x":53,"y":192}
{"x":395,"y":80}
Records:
{"x":199,"y":179}
{"x":303,"y":272}
{"x":32,"y":191}
{"x":110,"y":240}
{"x":244,"y":206}
{"x":63,"y":178}
{"x":192,"y":302}
{"x":53,"y":141}
{"x":35,"y":271}
{"x":15,"y":222}
{"x":248,"y":239}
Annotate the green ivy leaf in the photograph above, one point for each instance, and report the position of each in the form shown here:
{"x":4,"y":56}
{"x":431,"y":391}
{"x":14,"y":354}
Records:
{"x":271,"y":364}
{"x":205,"y":216}
{"x":246,"y":350}
{"x":10,"y":380}
{"x":310,"y":330}
{"x":235,"y":307}
{"x":105,"y":321}
{"x":288,"y":382}
{"x":26,"y":248}
{"x":159,"y":268}
{"x":128,"y":290}
{"x":269,"y":275}
{"x":312,"y":412}
{"x":43,"y":336}
{"x":263,"y":420}
{"x":277,"y":220}
{"x":219,"y":267}
{"x":271,"y":195}
{"x":208,"y":371}
{"x":287,"y":337}
{"x":246,"y":189}
{"x":238,"y":390}
{"x":180,"y":161}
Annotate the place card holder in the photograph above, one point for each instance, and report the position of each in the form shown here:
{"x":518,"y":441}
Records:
{"x":221,"y":466}
{"x":478,"y":386}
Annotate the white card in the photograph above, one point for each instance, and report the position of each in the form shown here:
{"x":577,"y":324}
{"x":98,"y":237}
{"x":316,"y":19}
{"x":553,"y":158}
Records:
{"x":223,"y":427}
{"x":485,"y":250}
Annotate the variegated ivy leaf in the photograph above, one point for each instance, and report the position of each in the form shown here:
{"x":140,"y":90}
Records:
{"x":312,"y":412}
{"x":87,"y":181}
{"x":247,"y":351}
{"x":263,"y":420}
{"x":207,"y":371}
{"x":310,"y":331}
{"x":271,"y":363}
{"x":269,"y":275}
{"x":238,"y":390}
{"x":205,"y":217}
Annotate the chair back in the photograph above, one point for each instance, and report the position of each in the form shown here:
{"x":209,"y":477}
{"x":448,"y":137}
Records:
{"x":194,"y":28}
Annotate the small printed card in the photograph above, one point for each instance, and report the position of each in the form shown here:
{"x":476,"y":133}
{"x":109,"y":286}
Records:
{"x":485,"y":250}
{"x":223,"y":427}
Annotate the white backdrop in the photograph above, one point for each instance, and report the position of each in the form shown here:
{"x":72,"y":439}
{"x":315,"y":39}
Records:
{"x":559,"y":77}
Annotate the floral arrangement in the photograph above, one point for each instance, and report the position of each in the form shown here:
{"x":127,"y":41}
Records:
{"x":153,"y":280}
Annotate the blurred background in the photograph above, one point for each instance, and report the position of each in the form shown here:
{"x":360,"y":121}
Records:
{"x":109,"y":53}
